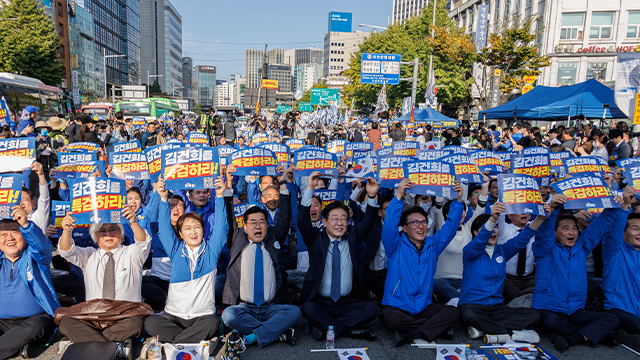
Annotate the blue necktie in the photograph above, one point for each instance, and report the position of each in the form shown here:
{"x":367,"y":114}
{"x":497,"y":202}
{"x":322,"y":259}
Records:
{"x":335,"y":272}
{"x":258,"y":278}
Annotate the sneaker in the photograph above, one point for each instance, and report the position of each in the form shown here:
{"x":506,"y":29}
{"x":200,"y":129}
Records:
{"x":288,"y":336}
{"x":496,"y":339}
{"x":526,"y":336}
{"x":236,"y":343}
{"x":316,"y":333}
{"x":124,"y":349}
{"x":473,"y":332}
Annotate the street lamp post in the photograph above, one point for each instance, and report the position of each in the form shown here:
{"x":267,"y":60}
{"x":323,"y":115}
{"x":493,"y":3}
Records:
{"x":104,"y":52}
{"x":148,"y":84}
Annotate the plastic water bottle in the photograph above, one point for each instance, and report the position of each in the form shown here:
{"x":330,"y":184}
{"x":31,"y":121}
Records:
{"x":331,"y":338}
{"x":157,"y":354}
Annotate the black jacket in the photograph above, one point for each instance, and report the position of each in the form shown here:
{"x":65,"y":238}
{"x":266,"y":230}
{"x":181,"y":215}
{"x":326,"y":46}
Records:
{"x":230,"y":130}
{"x":92,"y":137}
{"x":275,"y":235}
{"x":318,"y":243}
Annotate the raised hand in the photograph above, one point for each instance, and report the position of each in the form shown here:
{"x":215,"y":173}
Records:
{"x":402,"y":188}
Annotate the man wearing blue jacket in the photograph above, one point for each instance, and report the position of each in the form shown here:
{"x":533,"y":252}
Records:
{"x":481,"y":303}
{"x":620,"y":257}
{"x":561,"y":278}
{"x":28,"y":299}
{"x":411,"y":264}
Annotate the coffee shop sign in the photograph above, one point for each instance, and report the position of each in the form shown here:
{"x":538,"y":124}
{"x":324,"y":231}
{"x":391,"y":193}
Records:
{"x":595,"y":49}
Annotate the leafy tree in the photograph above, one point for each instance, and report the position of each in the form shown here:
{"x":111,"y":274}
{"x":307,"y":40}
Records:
{"x":29,"y":46}
{"x":155,"y":88}
{"x":512,"y":49}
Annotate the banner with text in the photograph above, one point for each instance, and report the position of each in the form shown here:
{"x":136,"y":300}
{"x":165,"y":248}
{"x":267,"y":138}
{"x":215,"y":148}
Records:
{"x":190,"y":168}
{"x":84,"y":146}
{"x":74,"y":158}
{"x":536,"y":165}
{"x":309,"y":160}
{"x":80,"y":170}
{"x":582,"y":165}
{"x":98,"y":200}
{"x":132,"y":146}
{"x":465,"y":168}
{"x":433,"y":178}
{"x":391,"y":170}
{"x":404,"y":148}
{"x":59,"y":210}
{"x":585,"y":192}
{"x":281,"y":151}
{"x":254,"y":161}
{"x":194,"y":137}
{"x":10,"y":193}
{"x":520,"y":194}
{"x":154,"y":158}
{"x":239,"y":210}
{"x":487,"y":161}
{"x":129,"y":166}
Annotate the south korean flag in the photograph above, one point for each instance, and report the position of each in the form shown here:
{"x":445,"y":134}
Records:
{"x":363,"y":168}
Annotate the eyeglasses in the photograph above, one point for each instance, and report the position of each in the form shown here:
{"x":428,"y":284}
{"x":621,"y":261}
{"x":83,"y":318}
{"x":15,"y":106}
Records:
{"x":253,"y":224}
{"x":180,"y":205}
{"x":113,"y":231}
{"x":476,"y":194}
{"x":337,"y":220}
{"x":417,"y":223}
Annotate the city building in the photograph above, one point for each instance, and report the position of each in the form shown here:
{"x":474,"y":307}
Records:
{"x":203,"y":82}
{"x":225,"y":95}
{"x":404,"y":9}
{"x":241,"y":83}
{"x":115,"y":29}
{"x":187,"y":66}
{"x":86,"y":63}
{"x":306,"y":75}
{"x":582,"y":38}
{"x":296,"y":57}
{"x":254,"y":61}
{"x":340,"y":43}
{"x":281,"y":73}
{"x":161,"y":34}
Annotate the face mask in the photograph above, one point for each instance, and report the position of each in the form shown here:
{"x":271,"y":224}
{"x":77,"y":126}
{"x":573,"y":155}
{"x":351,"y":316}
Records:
{"x":426,"y":206}
{"x":44,"y":132}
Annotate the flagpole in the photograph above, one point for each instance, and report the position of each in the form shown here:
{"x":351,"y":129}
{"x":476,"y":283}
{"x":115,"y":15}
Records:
{"x":431,"y":56}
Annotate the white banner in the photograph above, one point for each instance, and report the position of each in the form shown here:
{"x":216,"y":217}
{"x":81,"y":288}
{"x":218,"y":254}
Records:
{"x":627,"y":79}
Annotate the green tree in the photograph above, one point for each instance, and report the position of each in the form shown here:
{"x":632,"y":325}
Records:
{"x":29,"y":46}
{"x":513,"y":50}
{"x":155,"y":88}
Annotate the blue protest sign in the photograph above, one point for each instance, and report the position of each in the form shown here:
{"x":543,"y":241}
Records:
{"x":362,"y":154}
{"x":433,"y":178}
{"x":327,"y":196}
{"x":281,"y":152}
{"x":254,"y":161}
{"x":336,"y":147}
{"x":154,"y":158}
{"x":74,"y":158}
{"x":536,"y":165}
{"x":194,"y":137}
{"x":404,"y":148}
{"x":80,"y":170}
{"x":585,"y":192}
{"x":632,"y":174}
{"x":505,"y":157}
{"x":456,"y":149}
{"x":98,"y":200}
{"x":258,"y":138}
{"x":129,"y":166}
{"x":139,"y":122}
{"x":308,"y":160}
{"x":81,"y":147}
{"x":555,"y":161}
{"x":604,"y":166}
{"x":59,"y":210}
{"x":582,"y":165}
{"x":5,"y":117}
{"x":620,"y":164}
{"x":23,"y":147}
{"x":535,"y":150}
{"x":465,"y":168}
{"x":239,"y":210}
{"x":351,"y":146}
{"x":487,"y":161}
{"x":384,"y":151}
{"x":10,"y":193}
{"x":390,"y":170}
{"x":433,"y":154}
{"x":520,"y":194}
{"x":294,"y":144}
{"x":132,"y":146}
{"x":223,"y":153}
{"x":190,"y":168}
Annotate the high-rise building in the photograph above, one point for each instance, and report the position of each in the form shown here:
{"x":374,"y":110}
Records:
{"x":295,"y":57}
{"x":225,"y":95}
{"x":241,"y":83}
{"x":187,"y":65}
{"x":115,"y":29}
{"x":281,"y":73}
{"x":86,"y":63}
{"x":404,"y":9}
{"x":254,"y":61}
{"x":307,"y":75}
{"x":161,"y":34}
{"x":203,"y":83}
{"x":338,"y":47}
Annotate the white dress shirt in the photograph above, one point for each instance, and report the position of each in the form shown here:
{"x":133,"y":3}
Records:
{"x":346,"y":269}
{"x":128,"y":268}
{"x":508,"y":232}
{"x":40,"y":217}
{"x":247,"y":272}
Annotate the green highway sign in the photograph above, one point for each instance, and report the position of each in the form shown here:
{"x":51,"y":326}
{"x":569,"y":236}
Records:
{"x":281,"y":109}
{"x":324,"y":96}
{"x":305,"y":106}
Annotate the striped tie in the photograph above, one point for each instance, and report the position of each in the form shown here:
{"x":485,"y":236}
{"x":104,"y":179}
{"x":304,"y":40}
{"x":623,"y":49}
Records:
{"x":109,"y":282}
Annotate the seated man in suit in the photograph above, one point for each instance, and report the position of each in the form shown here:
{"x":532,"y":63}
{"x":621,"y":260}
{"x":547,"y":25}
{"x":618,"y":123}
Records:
{"x":28,"y":300}
{"x":335,"y":257}
{"x":411,"y":264}
{"x":256,"y":284}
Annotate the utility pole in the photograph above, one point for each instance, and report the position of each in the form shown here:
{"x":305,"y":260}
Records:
{"x":262,"y":75}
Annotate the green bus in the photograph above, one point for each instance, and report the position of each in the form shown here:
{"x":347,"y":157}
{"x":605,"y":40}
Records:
{"x":149,"y":108}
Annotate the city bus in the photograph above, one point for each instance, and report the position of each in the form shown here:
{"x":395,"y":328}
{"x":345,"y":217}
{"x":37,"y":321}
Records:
{"x":149,"y":108}
{"x":20,"y":91}
{"x":101,"y":110}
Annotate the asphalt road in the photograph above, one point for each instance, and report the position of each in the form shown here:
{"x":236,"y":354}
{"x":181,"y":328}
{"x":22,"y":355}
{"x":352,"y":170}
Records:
{"x":382,"y":348}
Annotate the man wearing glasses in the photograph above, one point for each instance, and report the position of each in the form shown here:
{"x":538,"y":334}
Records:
{"x":334,"y":258}
{"x":411,"y":264}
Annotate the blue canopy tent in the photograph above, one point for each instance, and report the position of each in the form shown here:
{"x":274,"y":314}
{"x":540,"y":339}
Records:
{"x":431,"y":117}
{"x":559,"y":103}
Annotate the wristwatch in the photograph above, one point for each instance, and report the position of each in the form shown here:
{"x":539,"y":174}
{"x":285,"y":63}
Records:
{"x":283,"y":182}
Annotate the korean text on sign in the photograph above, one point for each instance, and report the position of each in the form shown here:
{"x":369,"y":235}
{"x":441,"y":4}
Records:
{"x":98,"y":200}
{"x":190,"y":168}
{"x":520,"y":194}
{"x":432,"y":178}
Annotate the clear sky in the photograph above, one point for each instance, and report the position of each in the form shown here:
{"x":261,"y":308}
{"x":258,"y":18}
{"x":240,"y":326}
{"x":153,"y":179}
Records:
{"x":217,"y":33}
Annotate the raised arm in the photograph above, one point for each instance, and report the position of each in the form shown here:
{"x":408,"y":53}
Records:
{"x":218,"y":236}
{"x":546,"y":235}
{"x":390,"y":237}
{"x":166,"y":233}
{"x":33,"y":235}
{"x":283,"y":223}
{"x":613,"y":239}
{"x":448,"y":231}
{"x":596,"y":231}
{"x":308,"y":232}
{"x":371,"y":213}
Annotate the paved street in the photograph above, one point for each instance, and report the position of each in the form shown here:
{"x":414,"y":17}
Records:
{"x":383,"y":348}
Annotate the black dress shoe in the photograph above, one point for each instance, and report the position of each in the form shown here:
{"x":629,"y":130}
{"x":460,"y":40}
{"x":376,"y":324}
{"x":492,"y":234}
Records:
{"x":630,"y":340}
{"x":316,"y":333}
{"x":366,"y":334}
{"x":27,"y":351}
{"x":448,"y":335}
{"x":402,"y":338}
{"x":609,"y":340}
